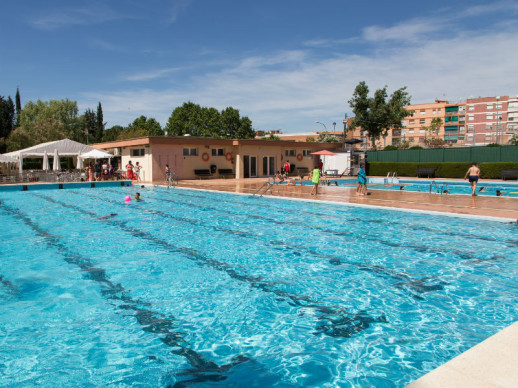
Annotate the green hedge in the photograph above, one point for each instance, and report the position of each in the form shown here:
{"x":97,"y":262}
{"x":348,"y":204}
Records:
{"x":489,"y":170}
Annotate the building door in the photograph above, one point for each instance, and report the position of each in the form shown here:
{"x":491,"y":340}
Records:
{"x":268,"y":165}
{"x":250,"y":166}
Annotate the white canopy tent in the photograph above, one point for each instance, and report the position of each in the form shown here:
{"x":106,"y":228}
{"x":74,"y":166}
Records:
{"x":8,"y":159}
{"x":64,"y":148}
{"x":96,"y":154}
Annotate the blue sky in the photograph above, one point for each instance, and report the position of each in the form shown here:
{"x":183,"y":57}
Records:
{"x":284,"y":64}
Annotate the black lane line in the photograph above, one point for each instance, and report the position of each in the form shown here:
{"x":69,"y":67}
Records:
{"x":151,"y":321}
{"x":360,"y":321}
{"x":419,"y":248}
{"x":510,"y":243}
{"x":415,"y":286}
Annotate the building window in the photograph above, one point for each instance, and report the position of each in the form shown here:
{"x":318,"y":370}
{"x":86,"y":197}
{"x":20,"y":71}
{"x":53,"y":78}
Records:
{"x":421,"y":131}
{"x":306,"y":152}
{"x":218,"y":152}
{"x":499,"y":105}
{"x":434,"y":111}
{"x":190,"y":152}
{"x":471,"y":127}
{"x":422,"y":112}
{"x":421,"y":140}
{"x":422,"y":121}
{"x":411,"y":131}
{"x":462,"y":129}
{"x":462,"y":109}
{"x":138,"y":152}
{"x":438,"y":111}
{"x":471,"y":107}
{"x":488,"y":136}
{"x":489,"y":106}
{"x":290,"y":153}
{"x":471,"y":117}
{"x":489,"y":126}
{"x":412,"y":121}
{"x":489,"y":116}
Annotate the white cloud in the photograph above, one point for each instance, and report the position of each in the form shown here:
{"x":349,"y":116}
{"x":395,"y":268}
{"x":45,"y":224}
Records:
{"x":77,"y":16}
{"x":152,"y":74}
{"x":292,"y":89}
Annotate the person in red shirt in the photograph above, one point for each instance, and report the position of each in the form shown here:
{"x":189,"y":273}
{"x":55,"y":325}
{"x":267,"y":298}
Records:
{"x":320,"y":165}
{"x":287,"y":167}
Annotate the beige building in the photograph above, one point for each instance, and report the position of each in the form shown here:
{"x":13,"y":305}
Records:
{"x":191,"y":158}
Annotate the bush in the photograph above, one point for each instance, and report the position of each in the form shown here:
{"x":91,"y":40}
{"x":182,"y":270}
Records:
{"x":390,"y":147}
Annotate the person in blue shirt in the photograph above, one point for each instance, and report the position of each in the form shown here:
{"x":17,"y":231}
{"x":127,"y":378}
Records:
{"x":361,"y":188}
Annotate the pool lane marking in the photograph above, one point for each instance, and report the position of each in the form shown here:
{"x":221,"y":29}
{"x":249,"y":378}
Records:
{"x":334,"y":318}
{"x":356,"y":219}
{"x":409,"y":283}
{"x":416,"y":284}
{"x":151,"y":321}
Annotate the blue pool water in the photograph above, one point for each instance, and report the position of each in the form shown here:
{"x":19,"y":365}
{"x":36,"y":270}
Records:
{"x":191,"y":288}
{"x":507,"y":189}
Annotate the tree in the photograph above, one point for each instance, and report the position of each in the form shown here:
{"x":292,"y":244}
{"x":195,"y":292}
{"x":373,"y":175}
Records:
{"x":7,"y":121}
{"x":89,"y":122}
{"x":18,"y":107}
{"x":46,"y":121}
{"x":325,"y":137}
{"x":375,"y":114}
{"x":514,"y":139}
{"x":192,"y":119}
{"x":99,"y":124}
{"x":113,"y":133}
{"x":310,"y":139}
{"x":432,"y":130}
{"x":149,"y":127}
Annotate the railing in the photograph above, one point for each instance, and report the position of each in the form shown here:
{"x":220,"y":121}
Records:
{"x":52,"y":177}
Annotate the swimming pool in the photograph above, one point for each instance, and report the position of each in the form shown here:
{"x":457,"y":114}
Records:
{"x":194,"y":288}
{"x":506,"y":189}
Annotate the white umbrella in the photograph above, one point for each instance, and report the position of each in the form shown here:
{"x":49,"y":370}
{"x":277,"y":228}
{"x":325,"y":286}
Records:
{"x":46,"y":166}
{"x":56,"y":165}
{"x":79,"y":165}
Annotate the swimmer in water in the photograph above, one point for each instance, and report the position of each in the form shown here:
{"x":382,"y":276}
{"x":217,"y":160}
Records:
{"x":107,"y":216}
{"x":137,"y":197}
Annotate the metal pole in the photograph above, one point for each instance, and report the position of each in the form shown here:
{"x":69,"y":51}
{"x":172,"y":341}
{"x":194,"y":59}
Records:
{"x":318,"y":122}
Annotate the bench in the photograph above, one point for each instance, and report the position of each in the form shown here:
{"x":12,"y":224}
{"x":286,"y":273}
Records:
{"x":425,"y":172}
{"x":226,"y":172}
{"x":513,"y":174}
{"x":202,"y":173}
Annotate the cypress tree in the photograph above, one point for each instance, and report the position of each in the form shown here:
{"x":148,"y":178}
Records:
{"x":99,"y":128}
{"x":18,"y":107}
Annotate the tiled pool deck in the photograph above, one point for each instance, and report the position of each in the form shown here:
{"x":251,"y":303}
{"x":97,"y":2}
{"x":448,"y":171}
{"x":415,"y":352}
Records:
{"x":492,"y":363}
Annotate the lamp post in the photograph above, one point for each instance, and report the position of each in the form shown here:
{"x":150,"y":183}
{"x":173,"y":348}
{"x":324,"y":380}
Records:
{"x":318,"y":122}
{"x":497,"y":123}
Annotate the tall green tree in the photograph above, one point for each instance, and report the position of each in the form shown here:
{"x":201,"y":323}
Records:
{"x":99,"y":124}
{"x":18,"y":106}
{"x":185,"y":120}
{"x":375,"y":114}
{"x":89,"y":123}
{"x":7,"y":121}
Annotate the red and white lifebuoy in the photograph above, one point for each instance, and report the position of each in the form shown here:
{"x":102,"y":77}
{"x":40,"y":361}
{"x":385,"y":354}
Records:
{"x":205,"y":157}
{"x":228,"y":156}
{"x":299,"y":157}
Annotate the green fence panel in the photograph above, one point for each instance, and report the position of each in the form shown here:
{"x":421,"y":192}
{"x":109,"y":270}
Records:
{"x":460,"y":154}
{"x":457,"y":155}
{"x":509,"y":154}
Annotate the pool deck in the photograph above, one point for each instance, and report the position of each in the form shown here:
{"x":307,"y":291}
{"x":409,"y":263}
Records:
{"x":491,"y":364}
{"x":501,"y":207}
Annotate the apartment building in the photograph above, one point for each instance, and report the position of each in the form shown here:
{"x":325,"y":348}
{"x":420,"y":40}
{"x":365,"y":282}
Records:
{"x":487,"y":120}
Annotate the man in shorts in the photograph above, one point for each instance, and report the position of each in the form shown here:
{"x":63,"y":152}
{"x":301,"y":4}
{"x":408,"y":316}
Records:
{"x":473,"y":174}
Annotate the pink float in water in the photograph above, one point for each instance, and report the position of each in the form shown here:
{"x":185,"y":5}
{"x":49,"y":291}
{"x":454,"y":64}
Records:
{"x":127,"y":198}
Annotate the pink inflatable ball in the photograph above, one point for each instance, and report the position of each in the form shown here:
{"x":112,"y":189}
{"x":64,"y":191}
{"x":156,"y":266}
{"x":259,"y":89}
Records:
{"x":127,"y":198}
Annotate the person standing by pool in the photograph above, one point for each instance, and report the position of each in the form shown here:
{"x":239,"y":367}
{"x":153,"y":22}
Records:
{"x":138,"y":167}
{"x":287,"y":167}
{"x":473,"y":174}
{"x":362,"y":181}
{"x":315,"y":178}
{"x":129,"y":170}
